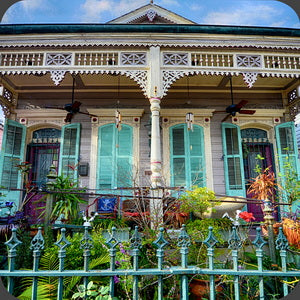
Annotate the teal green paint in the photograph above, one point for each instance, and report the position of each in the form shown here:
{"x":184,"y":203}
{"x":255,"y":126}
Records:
{"x":12,"y":154}
{"x":232,"y":152}
{"x":286,"y":138}
{"x":159,"y":28}
{"x":187,"y":159}
{"x":69,"y":149}
{"x":115,"y":157}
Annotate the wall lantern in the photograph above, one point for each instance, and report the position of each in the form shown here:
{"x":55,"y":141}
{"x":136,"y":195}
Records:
{"x":118,"y":119}
{"x":189,"y":119}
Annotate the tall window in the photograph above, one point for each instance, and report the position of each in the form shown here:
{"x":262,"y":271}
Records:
{"x":187,"y":156}
{"x":233,"y":160}
{"x":115,"y":157}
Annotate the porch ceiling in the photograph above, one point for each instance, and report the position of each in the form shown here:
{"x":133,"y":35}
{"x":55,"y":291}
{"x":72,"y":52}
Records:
{"x":103,"y":86}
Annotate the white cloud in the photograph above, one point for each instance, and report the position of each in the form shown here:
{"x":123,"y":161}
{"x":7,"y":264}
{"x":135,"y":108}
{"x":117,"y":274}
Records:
{"x":243,"y":15}
{"x":29,"y":5}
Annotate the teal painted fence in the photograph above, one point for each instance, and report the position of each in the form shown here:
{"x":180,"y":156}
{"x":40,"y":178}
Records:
{"x":182,"y":271}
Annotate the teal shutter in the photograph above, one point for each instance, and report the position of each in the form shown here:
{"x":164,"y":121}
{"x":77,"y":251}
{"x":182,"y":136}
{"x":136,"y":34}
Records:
{"x":287,"y":146}
{"x":114,"y":157}
{"x":187,"y":156}
{"x":233,"y":160}
{"x":12,"y":154}
{"x":69,"y":150}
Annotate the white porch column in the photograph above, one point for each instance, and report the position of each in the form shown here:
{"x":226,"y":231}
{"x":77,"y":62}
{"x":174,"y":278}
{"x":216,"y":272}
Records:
{"x":156,"y":176}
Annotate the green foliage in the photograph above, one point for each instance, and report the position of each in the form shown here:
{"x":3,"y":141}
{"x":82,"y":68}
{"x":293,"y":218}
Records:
{"x":197,"y":200}
{"x":93,"y":292}
{"x":67,"y":198}
{"x":290,"y":181}
{"x":99,"y":224}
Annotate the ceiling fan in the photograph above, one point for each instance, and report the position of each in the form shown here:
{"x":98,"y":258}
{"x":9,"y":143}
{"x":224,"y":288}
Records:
{"x":71,"y":108}
{"x":233,"y":109}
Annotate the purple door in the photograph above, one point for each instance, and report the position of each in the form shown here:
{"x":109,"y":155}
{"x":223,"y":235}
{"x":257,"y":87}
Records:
{"x":255,"y":143}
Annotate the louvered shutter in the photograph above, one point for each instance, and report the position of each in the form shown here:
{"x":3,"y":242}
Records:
{"x":114,"y":157}
{"x":106,"y":149}
{"x":233,"y":160}
{"x":124,"y":157}
{"x":69,"y":150}
{"x":12,"y":154}
{"x":187,"y":156}
{"x":196,"y":150}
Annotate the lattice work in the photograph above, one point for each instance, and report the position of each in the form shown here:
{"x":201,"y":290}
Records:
{"x":292,"y":95}
{"x":57,"y":76}
{"x":6,"y":110}
{"x":175,"y":59}
{"x":140,"y":77}
{"x":294,"y":110}
{"x":249,"y":61}
{"x":133,"y":59}
{"x":250,"y":78}
{"x":96,"y":59}
{"x":169,"y":77}
{"x":58,"y":59}
{"x":151,"y":14}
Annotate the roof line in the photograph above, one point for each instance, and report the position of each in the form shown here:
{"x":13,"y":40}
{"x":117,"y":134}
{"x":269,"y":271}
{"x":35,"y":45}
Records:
{"x":15,"y":29}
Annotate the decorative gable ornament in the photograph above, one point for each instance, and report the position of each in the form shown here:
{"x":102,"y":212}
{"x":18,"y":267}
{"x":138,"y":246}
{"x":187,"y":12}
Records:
{"x":151,"y":14}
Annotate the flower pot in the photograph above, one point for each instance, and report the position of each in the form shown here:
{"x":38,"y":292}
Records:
{"x":199,"y":288}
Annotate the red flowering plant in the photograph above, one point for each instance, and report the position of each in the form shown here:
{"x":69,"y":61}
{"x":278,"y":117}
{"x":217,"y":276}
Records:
{"x":246,"y":216}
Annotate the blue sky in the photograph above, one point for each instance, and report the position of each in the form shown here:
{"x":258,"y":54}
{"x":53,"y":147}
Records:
{"x":223,"y":12}
{"x":267,"y":13}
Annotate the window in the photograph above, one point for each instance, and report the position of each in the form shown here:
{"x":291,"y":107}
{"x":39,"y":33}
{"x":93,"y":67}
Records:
{"x":233,"y":162}
{"x":114,"y":157}
{"x":187,"y":156}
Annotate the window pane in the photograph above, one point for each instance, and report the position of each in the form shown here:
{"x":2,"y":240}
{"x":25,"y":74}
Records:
{"x":232,"y":144}
{"x":234,"y":173}
{"x":195,"y":141}
{"x":286,"y":140}
{"x":70,"y":139}
{"x":178,"y":140}
{"x":179,"y":171}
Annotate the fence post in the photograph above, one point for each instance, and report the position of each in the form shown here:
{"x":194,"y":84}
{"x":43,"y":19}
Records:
{"x":12,"y":244}
{"x":282,"y":244}
{"x":184,"y":242}
{"x":136,"y":243}
{"x":160,"y":243}
{"x":210,"y":242}
{"x":235,"y":244}
{"x":62,"y":243}
{"x":112,"y":242}
{"x":50,"y":197}
{"x":37,"y":245}
{"x":259,"y":242}
{"x":269,"y":221}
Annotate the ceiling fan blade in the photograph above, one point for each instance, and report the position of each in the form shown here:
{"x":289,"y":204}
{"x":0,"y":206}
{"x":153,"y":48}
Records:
{"x":226,"y":118}
{"x":88,"y":114}
{"x":247,"y":111}
{"x":69,"y":117}
{"x":241,"y":104}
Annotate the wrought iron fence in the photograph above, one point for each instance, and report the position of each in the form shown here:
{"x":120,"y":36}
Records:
{"x":184,"y":271}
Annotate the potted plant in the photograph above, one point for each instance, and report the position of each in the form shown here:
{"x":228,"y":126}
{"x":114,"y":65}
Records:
{"x":197,"y":201}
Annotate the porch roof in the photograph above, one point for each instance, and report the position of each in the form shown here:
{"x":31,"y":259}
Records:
{"x":16,"y":29}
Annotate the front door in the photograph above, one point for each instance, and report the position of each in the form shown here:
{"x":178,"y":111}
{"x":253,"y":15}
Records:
{"x":255,"y":142}
{"x":41,"y":154}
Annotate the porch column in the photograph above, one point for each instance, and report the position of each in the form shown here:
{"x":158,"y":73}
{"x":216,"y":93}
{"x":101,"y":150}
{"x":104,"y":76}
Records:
{"x":156,"y":176}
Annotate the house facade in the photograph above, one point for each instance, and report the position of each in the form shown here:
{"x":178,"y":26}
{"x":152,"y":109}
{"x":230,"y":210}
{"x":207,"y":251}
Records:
{"x":148,"y":99}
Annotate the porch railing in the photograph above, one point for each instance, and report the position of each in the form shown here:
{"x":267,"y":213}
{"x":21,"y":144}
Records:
{"x":183,"y":271}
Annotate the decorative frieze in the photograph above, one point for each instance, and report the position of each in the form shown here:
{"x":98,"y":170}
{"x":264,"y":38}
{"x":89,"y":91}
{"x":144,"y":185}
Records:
{"x":58,"y":59}
{"x":175,"y":59}
{"x":249,"y":61}
{"x":57,"y":76}
{"x":133,"y":59}
{"x":250,"y":78}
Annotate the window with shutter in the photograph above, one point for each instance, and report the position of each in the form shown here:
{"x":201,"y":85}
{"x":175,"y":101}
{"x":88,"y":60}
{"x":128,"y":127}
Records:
{"x":287,"y":147}
{"x":69,"y":150}
{"x":12,"y":154}
{"x":187,"y":156}
{"x":114,"y":157}
{"x":233,"y":160}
